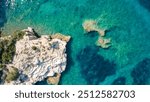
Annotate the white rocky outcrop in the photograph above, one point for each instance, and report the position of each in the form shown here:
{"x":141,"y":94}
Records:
{"x":38,"y":58}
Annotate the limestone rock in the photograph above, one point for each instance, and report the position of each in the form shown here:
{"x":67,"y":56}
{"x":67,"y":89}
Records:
{"x":38,"y":58}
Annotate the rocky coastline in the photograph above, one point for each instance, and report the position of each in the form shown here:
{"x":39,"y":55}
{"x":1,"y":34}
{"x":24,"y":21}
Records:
{"x":32,"y":58}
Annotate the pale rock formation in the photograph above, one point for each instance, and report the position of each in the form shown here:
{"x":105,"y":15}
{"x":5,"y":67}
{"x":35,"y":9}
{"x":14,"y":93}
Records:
{"x":38,"y":58}
{"x":103,"y":42}
{"x":91,"y":25}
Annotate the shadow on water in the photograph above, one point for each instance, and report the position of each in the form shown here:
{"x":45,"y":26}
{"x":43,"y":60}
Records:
{"x":91,"y":34}
{"x":141,"y":72}
{"x":119,"y":81}
{"x":69,"y":59}
{"x":94,"y":67}
{"x":2,"y":13}
{"x":44,"y":82}
{"x":145,"y":3}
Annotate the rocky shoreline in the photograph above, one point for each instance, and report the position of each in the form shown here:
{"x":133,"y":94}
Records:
{"x":34,"y":58}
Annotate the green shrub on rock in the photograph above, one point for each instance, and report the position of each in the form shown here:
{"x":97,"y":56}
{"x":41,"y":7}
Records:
{"x":17,"y":35}
{"x":12,"y":75}
{"x":34,"y":48}
{"x":7,"y":47}
{"x":6,"y":58}
{"x":2,"y":67}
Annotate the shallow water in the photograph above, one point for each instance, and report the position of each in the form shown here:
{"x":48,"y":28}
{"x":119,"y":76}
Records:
{"x":127,"y":21}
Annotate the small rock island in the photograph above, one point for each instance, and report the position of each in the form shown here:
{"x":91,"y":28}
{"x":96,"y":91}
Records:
{"x":27,"y":58}
{"x":90,"y":25}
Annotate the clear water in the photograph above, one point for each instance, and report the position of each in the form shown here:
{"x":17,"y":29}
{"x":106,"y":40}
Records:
{"x":128,"y":24}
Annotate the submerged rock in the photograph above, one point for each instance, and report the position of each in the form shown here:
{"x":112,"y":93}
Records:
{"x":103,"y":42}
{"x":90,"y":26}
{"x":54,"y":80}
{"x":36,"y":58}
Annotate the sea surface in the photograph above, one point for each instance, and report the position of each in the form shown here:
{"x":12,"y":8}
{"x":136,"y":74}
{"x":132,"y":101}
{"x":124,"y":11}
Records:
{"x":127,"y":22}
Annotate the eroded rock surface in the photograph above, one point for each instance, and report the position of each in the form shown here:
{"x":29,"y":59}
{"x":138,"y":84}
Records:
{"x":38,"y":58}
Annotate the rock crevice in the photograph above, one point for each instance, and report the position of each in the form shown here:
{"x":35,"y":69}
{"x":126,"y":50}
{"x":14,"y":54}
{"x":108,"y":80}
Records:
{"x":37,"y":58}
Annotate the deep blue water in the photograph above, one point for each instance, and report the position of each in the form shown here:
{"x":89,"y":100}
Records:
{"x":128,"y":25}
{"x":145,"y":3}
{"x":2,"y":13}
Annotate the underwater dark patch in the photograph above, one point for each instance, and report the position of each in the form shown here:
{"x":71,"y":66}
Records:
{"x":44,"y":82}
{"x":2,"y":13}
{"x":91,"y":34}
{"x":141,"y":72}
{"x":1,"y":73}
{"x":145,"y":3}
{"x":119,"y":81}
{"x":94,"y":68}
{"x":70,"y":61}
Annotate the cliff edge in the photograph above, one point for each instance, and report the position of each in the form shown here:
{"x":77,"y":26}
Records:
{"x":36,"y":58}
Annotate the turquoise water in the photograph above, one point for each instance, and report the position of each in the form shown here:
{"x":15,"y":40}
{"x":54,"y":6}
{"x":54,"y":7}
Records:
{"x":127,"y":61}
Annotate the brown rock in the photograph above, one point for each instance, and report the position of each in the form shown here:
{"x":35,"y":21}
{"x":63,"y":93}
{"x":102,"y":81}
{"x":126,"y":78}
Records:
{"x":54,"y":80}
{"x":61,"y":37}
{"x":103,"y":42}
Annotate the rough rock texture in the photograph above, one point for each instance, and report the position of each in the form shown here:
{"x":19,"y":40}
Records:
{"x":54,"y":80}
{"x":103,"y":42}
{"x":38,"y":58}
{"x":92,"y":25}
